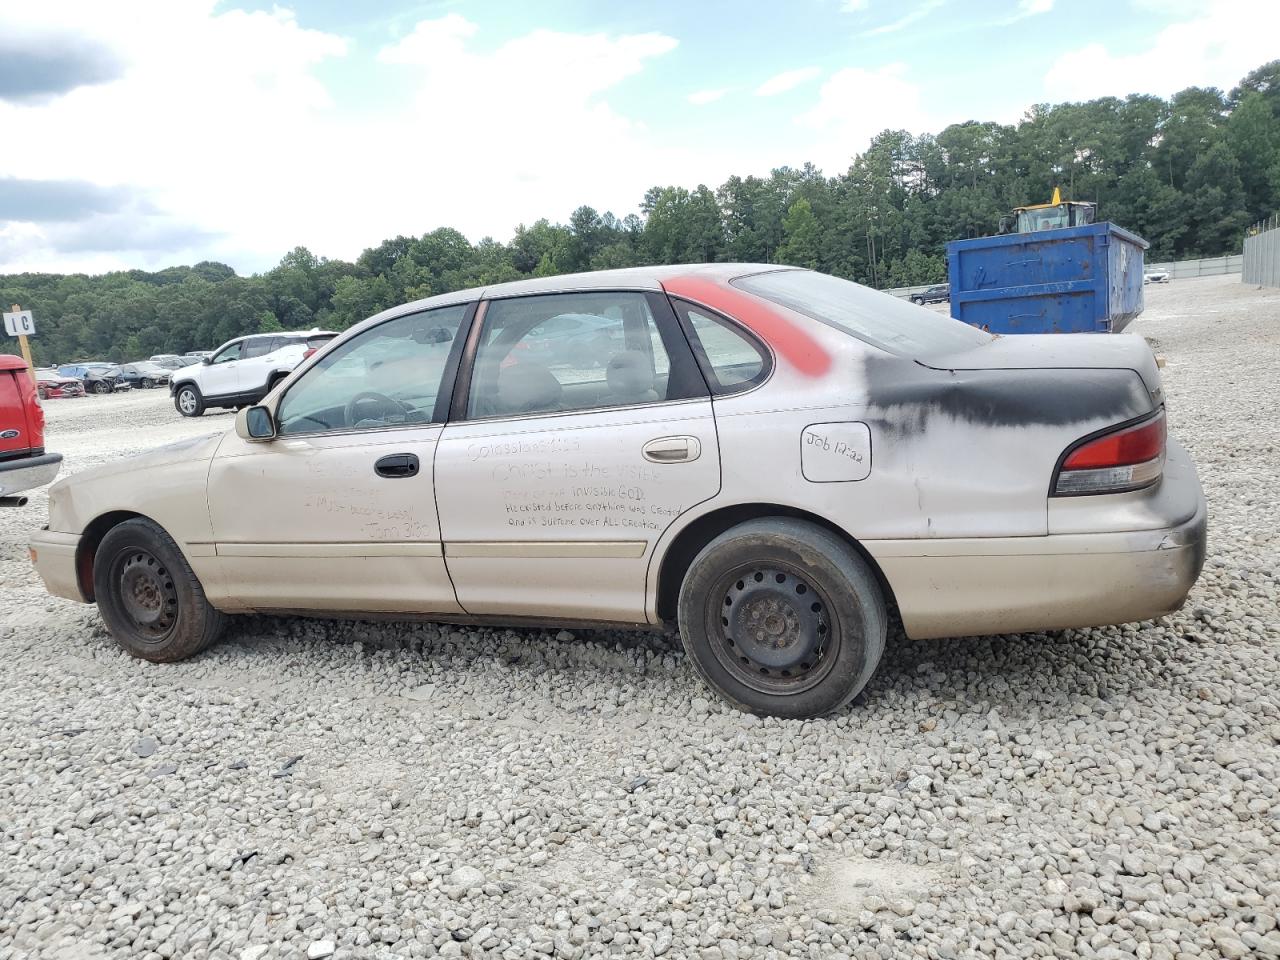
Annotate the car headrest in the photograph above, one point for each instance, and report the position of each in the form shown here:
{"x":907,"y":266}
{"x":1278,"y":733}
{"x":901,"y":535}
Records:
{"x":527,"y":387}
{"x":630,"y":375}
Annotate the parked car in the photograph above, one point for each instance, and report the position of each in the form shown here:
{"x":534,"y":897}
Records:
{"x":162,"y":357}
{"x":772,"y":458}
{"x":936,"y":294}
{"x":242,"y":371}
{"x":24,"y":463}
{"x":145,"y":374}
{"x":197,"y":355}
{"x":52,"y":385}
{"x":97,"y":377}
{"x":172,"y":363}
{"x":1156,"y":276}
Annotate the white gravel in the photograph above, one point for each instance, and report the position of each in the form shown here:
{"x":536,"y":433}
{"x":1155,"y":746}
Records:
{"x":313,"y":788}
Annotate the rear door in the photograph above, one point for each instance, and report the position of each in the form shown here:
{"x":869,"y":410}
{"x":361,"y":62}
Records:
{"x":581,"y":430}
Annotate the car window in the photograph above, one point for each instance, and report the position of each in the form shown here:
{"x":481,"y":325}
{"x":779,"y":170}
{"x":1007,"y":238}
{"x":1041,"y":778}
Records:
{"x":731,"y":359}
{"x":389,"y":375}
{"x":257,"y":347}
{"x":577,"y":351}
{"x":231,"y":352}
{"x":876,"y":318}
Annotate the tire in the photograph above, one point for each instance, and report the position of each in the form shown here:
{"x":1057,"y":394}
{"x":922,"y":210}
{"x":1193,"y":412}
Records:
{"x":149,"y":596}
{"x":101,"y":387}
{"x":919,"y":301}
{"x":758,"y":645}
{"x":147,"y":383}
{"x":188,"y":401}
{"x":42,"y":393}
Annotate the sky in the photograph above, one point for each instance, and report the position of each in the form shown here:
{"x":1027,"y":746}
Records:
{"x":147,"y":133}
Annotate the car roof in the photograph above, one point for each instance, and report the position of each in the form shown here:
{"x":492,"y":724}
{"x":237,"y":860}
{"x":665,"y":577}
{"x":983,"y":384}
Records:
{"x":628,"y":278}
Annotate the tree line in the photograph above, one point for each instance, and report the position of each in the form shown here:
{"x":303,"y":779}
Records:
{"x":1189,"y":174}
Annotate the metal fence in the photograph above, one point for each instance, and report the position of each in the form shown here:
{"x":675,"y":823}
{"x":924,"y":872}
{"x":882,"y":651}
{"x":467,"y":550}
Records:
{"x":1207,"y":267}
{"x":1262,"y":253}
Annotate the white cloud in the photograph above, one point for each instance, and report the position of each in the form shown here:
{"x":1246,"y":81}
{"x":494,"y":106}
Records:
{"x":919,"y":13}
{"x":788,"y":80}
{"x":702,"y":97}
{"x":1222,"y":42}
{"x":1028,"y":8}
{"x":225,"y":125}
{"x":855,"y":104}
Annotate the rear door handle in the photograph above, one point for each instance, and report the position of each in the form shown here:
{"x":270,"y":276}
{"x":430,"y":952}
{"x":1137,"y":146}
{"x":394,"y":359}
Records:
{"x":397,"y":465}
{"x":672,"y":449}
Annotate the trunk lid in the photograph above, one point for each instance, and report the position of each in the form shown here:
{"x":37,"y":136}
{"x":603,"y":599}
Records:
{"x":21,"y":418}
{"x":1058,"y":351}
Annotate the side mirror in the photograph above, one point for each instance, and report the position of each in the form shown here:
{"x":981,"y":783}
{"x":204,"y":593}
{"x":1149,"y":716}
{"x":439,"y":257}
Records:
{"x":255,"y":423}
{"x":206,"y":360}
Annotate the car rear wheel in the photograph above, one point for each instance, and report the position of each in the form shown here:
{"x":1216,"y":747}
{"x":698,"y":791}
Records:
{"x":188,"y":401}
{"x":782,"y":617}
{"x":149,"y":596}
{"x":147,"y":383}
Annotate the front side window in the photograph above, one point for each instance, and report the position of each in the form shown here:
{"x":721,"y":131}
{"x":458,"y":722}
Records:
{"x":389,"y":375}
{"x":564,"y":352}
{"x":229,"y":353}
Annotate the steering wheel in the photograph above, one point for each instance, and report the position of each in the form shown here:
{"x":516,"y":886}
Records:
{"x":370,"y":396}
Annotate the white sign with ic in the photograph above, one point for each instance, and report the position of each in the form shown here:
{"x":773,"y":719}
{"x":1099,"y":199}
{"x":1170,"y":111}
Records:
{"x":19,"y":324}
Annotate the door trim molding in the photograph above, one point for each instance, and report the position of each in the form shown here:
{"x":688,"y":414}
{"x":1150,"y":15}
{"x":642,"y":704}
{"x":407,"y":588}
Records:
{"x":582,"y":549}
{"x":325,"y":551}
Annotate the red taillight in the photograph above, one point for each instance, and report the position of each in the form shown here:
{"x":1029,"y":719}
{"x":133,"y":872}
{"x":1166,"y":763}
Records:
{"x":1124,"y":459}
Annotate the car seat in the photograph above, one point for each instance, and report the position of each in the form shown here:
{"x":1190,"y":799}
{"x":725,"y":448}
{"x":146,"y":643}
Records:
{"x":630,"y":376}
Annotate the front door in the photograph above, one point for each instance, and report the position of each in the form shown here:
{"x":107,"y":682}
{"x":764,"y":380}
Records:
{"x":221,"y":378}
{"x":586,"y":431}
{"x":338,"y":511}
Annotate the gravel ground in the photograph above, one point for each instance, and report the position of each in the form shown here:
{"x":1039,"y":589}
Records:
{"x":389,"y":790}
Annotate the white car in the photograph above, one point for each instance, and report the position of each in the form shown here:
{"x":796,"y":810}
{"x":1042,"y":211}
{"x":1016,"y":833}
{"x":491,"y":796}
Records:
{"x":775,"y":459}
{"x":1156,"y":276}
{"x":242,"y":371}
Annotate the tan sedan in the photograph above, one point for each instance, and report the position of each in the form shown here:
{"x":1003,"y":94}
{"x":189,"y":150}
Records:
{"x":773,"y":458}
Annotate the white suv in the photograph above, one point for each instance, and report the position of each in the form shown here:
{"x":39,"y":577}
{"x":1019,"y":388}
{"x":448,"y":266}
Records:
{"x":242,"y":371}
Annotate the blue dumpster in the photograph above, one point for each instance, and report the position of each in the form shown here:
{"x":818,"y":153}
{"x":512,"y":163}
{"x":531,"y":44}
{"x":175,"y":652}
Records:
{"x":1071,"y":280}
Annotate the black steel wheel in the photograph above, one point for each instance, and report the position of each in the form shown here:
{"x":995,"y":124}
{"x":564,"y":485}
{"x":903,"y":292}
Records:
{"x":773,"y":632}
{"x":782,"y":617}
{"x":148,"y":595}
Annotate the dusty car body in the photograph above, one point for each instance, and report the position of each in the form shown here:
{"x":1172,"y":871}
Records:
{"x":771,"y":457}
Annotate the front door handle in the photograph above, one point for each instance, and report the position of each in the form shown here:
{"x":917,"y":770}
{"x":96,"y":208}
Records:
{"x":672,"y":450}
{"x":397,"y":465}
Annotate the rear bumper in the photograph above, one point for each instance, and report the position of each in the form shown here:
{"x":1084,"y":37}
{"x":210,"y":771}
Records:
{"x":28,"y":473}
{"x":949,"y":588}
{"x":54,"y":557}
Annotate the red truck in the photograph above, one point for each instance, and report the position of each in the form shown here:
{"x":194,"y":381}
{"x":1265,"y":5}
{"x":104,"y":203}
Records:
{"x":23,"y":461}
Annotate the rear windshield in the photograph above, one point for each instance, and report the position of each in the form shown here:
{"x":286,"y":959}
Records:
{"x":876,"y":318}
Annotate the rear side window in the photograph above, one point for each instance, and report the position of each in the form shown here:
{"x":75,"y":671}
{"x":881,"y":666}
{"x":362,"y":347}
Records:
{"x":731,"y":359}
{"x":258,"y":347}
{"x":876,"y":318}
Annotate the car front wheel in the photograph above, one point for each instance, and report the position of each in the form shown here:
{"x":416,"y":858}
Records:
{"x":149,"y":596}
{"x":147,"y":384}
{"x":188,"y":401}
{"x":782,"y":617}
{"x":101,"y":386}
{"x":918,"y":300}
